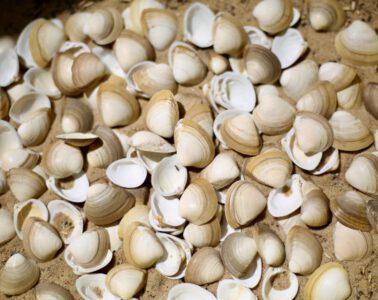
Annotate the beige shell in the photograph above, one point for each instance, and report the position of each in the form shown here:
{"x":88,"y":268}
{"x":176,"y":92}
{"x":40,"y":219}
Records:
{"x":273,"y":16}
{"x":204,"y":235}
{"x":116,"y":105}
{"x":329,"y":280}
{"x":351,"y":244}
{"x":340,"y":75}
{"x":162,"y":113}
{"x":370,"y":98}
{"x":273,"y":115}
{"x":204,"y":267}
{"x":269,"y":245}
{"x":201,"y":151}
{"x":261,"y":64}
{"x":350,"y":210}
{"x":271,"y":167}
{"x":303,"y":250}
{"x":77,"y":116}
{"x":349,"y":132}
{"x":321,"y":99}
{"x":55,"y":163}
{"x":18,"y":275}
{"x":244,"y":203}
{"x":326,"y":15}
{"x":41,"y":241}
{"x":125,"y":280}
{"x":139,"y":213}
{"x":25,"y":184}
{"x":238,"y":252}
{"x":202,"y":115}
{"x":138,"y":236}
{"x":362,"y":173}
{"x":131,"y":48}
{"x":74,"y":26}
{"x":107,"y":204}
{"x":358,"y":44}
{"x":229,"y":35}
{"x":106,"y":149}
{"x":199,"y":202}
{"x":350,"y":97}
{"x":240,"y":134}
{"x":50,"y":290}
{"x":215,"y":62}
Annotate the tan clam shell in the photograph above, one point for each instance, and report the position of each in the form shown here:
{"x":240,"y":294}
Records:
{"x":125,"y":280}
{"x":87,"y":69}
{"x":116,"y":105}
{"x":54,"y":160}
{"x":271,"y":167}
{"x":340,"y":75}
{"x":107,"y":204}
{"x":41,"y":240}
{"x":138,"y":236}
{"x":77,"y":116}
{"x":199,"y":202}
{"x":139,"y":213}
{"x":215,"y":62}
{"x":202,"y":115}
{"x":50,"y":290}
{"x":321,"y":99}
{"x":358,"y":44}
{"x":25,"y":184}
{"x":18,"y":275}
{"x":136,"y":10}
{"x":238,"y":252}
{"x":303,"y":250}
{"x":350,"y":210}
{"x":131,"y":48}
{"x":162,"y":113}
{"x":372,"y":213}
{"x":370,"y":98}
{"x":229,"y":35}
{"x":273,"y":16}
{"x":351,"y":244}
{"x":349,"y":132}
{"x":273,"y":115}
{"x":362,"y":173}
{"x":201,"y":151}
{"x":261,"y":64}
{"x":61,"y":70}
{"x":20,"y":158}
{"x":74,"y":26}
{"x":269,"y":245}
{"x":204,"y":235}
{"x":350,"y":97}
{"x":329,"y":280}
{"x":326,"y":15}
{"x":238,"y":208}
{"x":106,"y":149}
{"x":240,"y":134}
{"x":204,"y":267}
{"x":313,"y":133}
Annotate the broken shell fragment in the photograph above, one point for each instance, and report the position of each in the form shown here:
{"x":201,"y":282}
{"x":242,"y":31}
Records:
{"x":326,"y":15}
{"x":271,"y":293}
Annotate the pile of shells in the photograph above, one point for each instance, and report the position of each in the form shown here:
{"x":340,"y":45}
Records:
{"x":186,"y":179}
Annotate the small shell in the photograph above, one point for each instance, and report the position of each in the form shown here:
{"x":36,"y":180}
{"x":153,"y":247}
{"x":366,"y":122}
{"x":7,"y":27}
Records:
{"x":162,"y":113}
{"x":341,"y":76}
{"x":49,"y":290}
{"x":350,"y":97}
{"x":54,"y":160}
{"x":270,"y":293}
{"x":10,"y":66}
{"x":371,"y":93}
{"x":184,"y":291}
{"x":215,"y":62}
{"x":25,"y":184}
{"x":303,"y":250}
{"x":229,"y":289}
{"x":77,"y":116}
{"x":326,"y":15}
{"x":258,"y":37}
{"x":358,"y":44}
{"x":205,"y":267}
{"x":8,"y":231}
{"x":273,"y":16}
{"x":329,"y":280}
{"x":165,"y":211}
{"x":272,"y":167}
{"x":238,"y":208}
{"x":134,"y":278}
{"x":349,"y":132}
{"x":205,"y":235}
{"x":18,"y":275}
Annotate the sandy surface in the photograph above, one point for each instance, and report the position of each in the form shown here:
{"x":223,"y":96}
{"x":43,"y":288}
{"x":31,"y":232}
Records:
{"x":363,"y":274}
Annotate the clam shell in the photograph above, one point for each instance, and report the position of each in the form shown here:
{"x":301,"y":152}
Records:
{"x":139,"y":213}
{"x":3,"y":182}
{"x":41,"y":81}
{"x":215,"y":62}
{"x":8,"y":231}
{"x":150,"y":142}
{"x":48,"y":290}
{"x":350,"y":97}
{"x":77,"y":139}
{"x":253,"y":275}
{"x":127,"y":172}
{"x":74,"y":26}
{"x":87,"y":69}
{"x":340,"y":75}
{"x":166,"y":211}
{"x":372,"y":213}
{"x":330,"y":162}
{"x":10,"y":66}
{"x":20,"y":158}
{"x":89,"y":285}
{"x":183,"y":291}
{"x":326,"y":15}
{"x":9,"y":139}
{"x":228,"y":289}
{"x":76,"y":116}
{"x":270,"y":293}
{"x":370,"y":93}
{"x":136,"y":11}
{"x":4,"y":103}
{"x":205,"y":235}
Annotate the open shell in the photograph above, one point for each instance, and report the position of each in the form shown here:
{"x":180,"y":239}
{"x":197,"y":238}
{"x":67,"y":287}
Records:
{"x":183,"y":291}
{"x":89,"y":286}
{"x":204,"y":235}
{"x":139,"y":213}
{"x":166,"y":211}
{"x":127,"y":172}
{"x":270,"y":293}
{"x":340,"y":75}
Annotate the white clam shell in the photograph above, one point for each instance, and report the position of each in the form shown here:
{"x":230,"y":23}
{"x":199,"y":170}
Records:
{"x":257,"y":36}
{"x":289,"y":47}
{"x":22,"y":46}
{"x":166,"y":210}
{"x":28,"y":209}
{"x":150,"y":142}
{"x":41,"y":81}
{"x":253,"y":276}
{"x":231,"y":289}
{"x":9,"y":139}
{"x":329,"y":163}
{"x":198,"y":25}
{"x":127,"y":172}
{"x":270,"y":293}
{"x":17,"y":91}
{"x":10,"y":67}
{"x":281,"y":202}
{"x":77,"y":193}
{"x":91,"y":286}
{"x":296,"y":16}
{"x":169,"y":177}
{"x":186,"y":291}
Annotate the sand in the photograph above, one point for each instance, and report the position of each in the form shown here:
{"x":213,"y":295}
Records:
{"x":363,"y":274}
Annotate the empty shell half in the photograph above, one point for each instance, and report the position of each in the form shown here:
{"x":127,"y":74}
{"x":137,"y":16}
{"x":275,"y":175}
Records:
{"x":271,"y":293}
{"x":127,"y":172}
